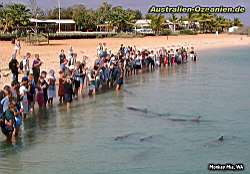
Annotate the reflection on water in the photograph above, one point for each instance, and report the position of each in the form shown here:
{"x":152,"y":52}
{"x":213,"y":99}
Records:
{"x":83,"y":140}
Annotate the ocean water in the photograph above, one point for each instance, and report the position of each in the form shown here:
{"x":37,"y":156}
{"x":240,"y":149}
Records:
{"x":101,"y":135}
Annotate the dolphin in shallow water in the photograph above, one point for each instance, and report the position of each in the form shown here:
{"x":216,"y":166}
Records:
{"x":221,"y":139}
{"x":122,"y":137}
{"x":197,"y":119}
{"x":146,"y":111}
{"x":146,"y":138}
{"x":137,"y":109}
{"x":216,"y":142}
{"x":128,"y":92}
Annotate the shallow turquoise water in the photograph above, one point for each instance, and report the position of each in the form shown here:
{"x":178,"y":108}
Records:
{"x":82,"y":140}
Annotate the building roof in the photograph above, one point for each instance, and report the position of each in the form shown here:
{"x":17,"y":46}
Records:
{"x":143,"y":21}
{"x":56,"y":21}
{"x":169,"y":22}
{"x":234,"y":27}
{"x":185,"y":22}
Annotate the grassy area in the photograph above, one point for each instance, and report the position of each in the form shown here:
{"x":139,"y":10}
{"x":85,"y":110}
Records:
{"x":80,"y":35}
{"x":7,"y":37}
{"x":188,"y":32}
{"x":63,"y":35}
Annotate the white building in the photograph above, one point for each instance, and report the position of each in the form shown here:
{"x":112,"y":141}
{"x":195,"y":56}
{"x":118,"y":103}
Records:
{"x":66,"y":24}
{"x":143,"y":26}
{"x":233,"y":29}
{"x":143,"y":23}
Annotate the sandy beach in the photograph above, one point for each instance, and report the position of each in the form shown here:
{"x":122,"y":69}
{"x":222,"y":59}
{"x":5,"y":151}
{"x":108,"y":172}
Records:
{"x":49,"y":53}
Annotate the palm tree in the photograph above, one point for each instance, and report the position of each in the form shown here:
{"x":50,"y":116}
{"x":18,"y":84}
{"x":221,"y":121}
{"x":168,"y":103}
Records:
{"x":191,"y":19}
{"x":237,"y":22}
{"x":122,"y":18}
{"x":157,"y":22}
{"x":14,"y":16}
{"x":6,"y":22}
{"x":223,"y":23}
{"x":174,"y":20}
{"x":205,"y":19}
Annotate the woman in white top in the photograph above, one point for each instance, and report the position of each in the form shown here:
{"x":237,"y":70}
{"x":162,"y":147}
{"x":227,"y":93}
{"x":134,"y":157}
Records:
{"x":24,"y":98}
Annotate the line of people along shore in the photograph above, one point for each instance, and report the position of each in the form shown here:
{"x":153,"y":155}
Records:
{"x":37,"y":87}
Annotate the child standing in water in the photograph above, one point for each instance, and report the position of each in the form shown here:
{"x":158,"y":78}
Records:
{"x":51,"y":87}
{"x":61,"y":87}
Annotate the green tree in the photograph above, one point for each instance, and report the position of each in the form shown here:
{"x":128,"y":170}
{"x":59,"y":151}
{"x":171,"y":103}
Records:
{"x":174,"y":20}
{"x":237,"y":22}
{"x":135,"y":13}
{"x":157,"y":22}
{"x":205,"y":20}
{"x":121,"y":18}
{"x":191,"y":19}
{"x":223,"y":23}
{"x":66,"y":13}
{"x":103,"y":13}
{"x":14,"y":16}
{"x":85,"y":18}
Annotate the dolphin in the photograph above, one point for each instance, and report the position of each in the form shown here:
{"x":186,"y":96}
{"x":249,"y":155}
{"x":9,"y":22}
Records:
{"x":137,"y":109}
{"x":216,"y":142}
{"x":146,"y":138}
{"x":221,"y":139}
{"x":197,"y":119}
{"x":122,"y":137}
{"x":146,"y":111}
{"x":128,"y":92}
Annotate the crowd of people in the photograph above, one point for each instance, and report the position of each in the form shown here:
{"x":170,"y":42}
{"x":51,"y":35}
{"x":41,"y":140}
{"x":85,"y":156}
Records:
{"x":75,"y":78}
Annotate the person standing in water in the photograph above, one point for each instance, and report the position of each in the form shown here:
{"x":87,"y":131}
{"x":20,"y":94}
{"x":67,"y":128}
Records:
{"x":68,"y":91}
{"x":17,"y":118}
{"x":193,"y":55}
{"x":119,"y":77}
{"x":44,"y":85}
{"x":77,"y":74}
{"x":51,"y":87}
{"x":24,"y":96}
{"x":36,"y":67}
{"x":8,"y":124}
{"x":61,"y":87}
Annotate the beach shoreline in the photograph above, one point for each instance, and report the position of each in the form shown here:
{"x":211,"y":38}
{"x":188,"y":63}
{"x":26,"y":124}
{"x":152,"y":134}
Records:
{"x":49,"y":53}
